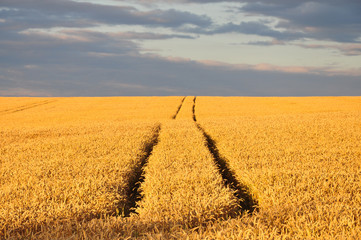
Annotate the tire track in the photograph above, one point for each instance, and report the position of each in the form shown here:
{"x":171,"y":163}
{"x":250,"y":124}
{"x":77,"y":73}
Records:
{"x":25,"y":107}
{"x":246,"y":202}
{"x":194,"y":111}
{"x":179,"y":108}
{"x":138,"y":177}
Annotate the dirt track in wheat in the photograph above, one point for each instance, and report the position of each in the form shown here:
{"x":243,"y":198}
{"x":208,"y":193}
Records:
{"x":180,"y":167}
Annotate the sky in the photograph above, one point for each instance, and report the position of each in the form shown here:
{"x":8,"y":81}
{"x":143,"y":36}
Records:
{"x":53,"y":48}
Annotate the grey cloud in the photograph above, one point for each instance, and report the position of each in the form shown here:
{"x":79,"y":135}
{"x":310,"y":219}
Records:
{"x":86,"y":63}
{"x":132,"y":76}
{"x":21,"y":19}
{"x":265,"y":43}
{"x":23,"y":14}
{"x":38,"y":49}
{"x":182,"y":1}
{"x":251,"y":28}
{"x":284,"y":2}
{"x":258,"y":28}
{"x":346,"y":49}
{"x":334,"y":20}
{"x":149,"y":36}
{"x":323,"y":20}
{"x":104,"y":66}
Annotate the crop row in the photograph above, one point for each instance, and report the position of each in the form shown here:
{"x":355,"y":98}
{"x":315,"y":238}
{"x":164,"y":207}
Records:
{"x":73,"y":160}
{"x":182,"y":184}
{"x":299,"y":156}
{"x":7,"y":106}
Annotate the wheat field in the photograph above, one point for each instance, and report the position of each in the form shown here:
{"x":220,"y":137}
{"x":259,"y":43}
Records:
{"x":180,"y":168}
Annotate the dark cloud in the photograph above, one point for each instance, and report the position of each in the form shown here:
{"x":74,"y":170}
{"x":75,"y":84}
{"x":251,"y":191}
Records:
{"x":24,"y":14}
{"x":38,"y":48}
{"x":77,"y":62}
{"x":346,"y":49}
{"x":310,"y":14}
{"x":278,"y":2}
{"x":264,"y":43}
{"x":252,"y":28}
{"x":182,"y":1}
{"x":148,"y":76}
{"x":149,"y":36}
{"x":322,"y":20}
{"x":334,"y":20}
{"x":286,"y":2}
{"x":94,"y":64}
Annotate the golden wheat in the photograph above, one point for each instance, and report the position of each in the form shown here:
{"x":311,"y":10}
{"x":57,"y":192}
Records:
{"x":300,"y":157}
{"x":73,"y":159}
{"x":66,"y":167}
{"x":182,"y":184}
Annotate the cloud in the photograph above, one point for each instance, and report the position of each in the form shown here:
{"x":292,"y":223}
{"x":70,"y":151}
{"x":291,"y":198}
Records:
{"x":142,"y":75}
{"x":266,"y":67}
{"x":43,"y":65}
{"x":346,"y":49}
{"x":148,"y":36}
{"x":285,"y":2}
{"x":182,"y":1}
{"x":289,"y":20}
{"x":14,"y":92}
{"x":39,"y":59}
{"x":89,"y":35}
{"x":338,"y":21}
{"x":272,"y":42}
{"x":39,"y":48}
{"x":333,"y":20}
{"x":257,"y":28}
{"x":24,"y":14}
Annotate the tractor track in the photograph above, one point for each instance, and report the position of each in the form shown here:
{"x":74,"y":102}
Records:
{"x":137,"y":179}
{"x":241,"y":191}
{"x":25,"y":107}
{"x":179,"y":108}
